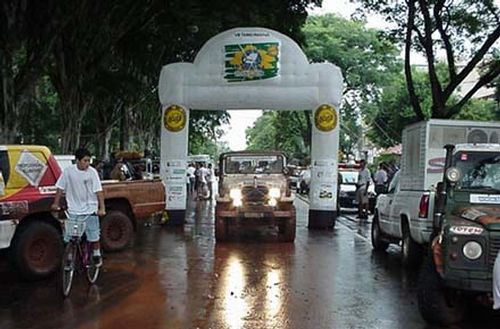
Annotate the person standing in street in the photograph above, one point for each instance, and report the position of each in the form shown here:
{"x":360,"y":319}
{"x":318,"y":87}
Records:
{"x":210,"y":178}
{"x":364,"y":180}
{"x":84,"y":197}
{"x":380,"y":179}
{"x":190,"y":174}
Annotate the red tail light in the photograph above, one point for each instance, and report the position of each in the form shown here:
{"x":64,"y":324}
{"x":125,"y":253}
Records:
{"x":423,"y":210}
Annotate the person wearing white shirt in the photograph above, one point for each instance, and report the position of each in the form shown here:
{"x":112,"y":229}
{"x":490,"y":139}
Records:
{"x":364,"y":179}
{"x":380,"y":179}
{"x":191,"y":177}
{"x":84,"y":198}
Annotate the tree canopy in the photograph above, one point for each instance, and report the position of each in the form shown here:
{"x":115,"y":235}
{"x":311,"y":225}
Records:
{"x":464,"y":30}
{"x":94,"y":65}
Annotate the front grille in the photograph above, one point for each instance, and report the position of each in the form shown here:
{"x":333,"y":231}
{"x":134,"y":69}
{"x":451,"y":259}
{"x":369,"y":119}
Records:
{"x":494,"y":248}
{"x":255,"y":194}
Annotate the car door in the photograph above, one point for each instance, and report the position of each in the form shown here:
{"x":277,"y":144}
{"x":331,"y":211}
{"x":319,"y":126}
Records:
{"x":385,"y":206}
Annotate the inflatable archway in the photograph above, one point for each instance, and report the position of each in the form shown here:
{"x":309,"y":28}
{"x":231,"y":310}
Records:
{"x":252,"y":68}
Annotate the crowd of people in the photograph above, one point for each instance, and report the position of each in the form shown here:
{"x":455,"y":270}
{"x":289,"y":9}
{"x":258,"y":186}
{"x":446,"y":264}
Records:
{"x":199,"y":181}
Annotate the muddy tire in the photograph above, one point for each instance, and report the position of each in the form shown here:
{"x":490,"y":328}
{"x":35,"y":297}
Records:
{"x":116,"y":231}
{"x":36,"y":251}
{"x":376,"y":235}
{"x":221,"y":232}
{"x":412,"y":251}
{"x":433,"y":303}
{"x":288,"y":232}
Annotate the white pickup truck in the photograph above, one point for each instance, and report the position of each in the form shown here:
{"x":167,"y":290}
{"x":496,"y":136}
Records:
{"x":404,"y":213}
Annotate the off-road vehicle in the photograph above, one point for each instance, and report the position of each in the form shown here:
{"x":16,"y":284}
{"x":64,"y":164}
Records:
{"x":466,"y":236}
{"x":253,"y":191}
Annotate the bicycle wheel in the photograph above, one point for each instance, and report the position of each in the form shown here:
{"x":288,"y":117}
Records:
{"x":92,"y":271}
{"x":68,"y":268}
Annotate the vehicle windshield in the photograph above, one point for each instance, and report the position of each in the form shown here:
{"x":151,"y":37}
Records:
{"x":253,"y":164}
{"x":349,"y":177}
{"x":480,"y":170}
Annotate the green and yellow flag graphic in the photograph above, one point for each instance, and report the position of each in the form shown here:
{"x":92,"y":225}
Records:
{"x":251,"y":61}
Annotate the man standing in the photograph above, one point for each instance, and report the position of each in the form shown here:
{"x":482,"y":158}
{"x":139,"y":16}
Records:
{"x":84,"y":198}
{"x":364,"y":179}
{"x":380,"y":179}
{"x":190,"y":174}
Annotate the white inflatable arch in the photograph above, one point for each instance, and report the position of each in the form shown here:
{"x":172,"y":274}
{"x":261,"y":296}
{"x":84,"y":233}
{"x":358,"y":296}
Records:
{"x":252,"y":68}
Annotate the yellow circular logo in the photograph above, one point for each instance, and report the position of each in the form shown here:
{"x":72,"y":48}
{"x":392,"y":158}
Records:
{"x":325,"y":118}
{"x":174,"y":118}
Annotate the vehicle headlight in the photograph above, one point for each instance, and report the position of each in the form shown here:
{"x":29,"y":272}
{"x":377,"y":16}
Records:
{"x":235,"y":193}
{"x":472,"y":250}
{"x":273,"y":202}
{"x":274,"y":192}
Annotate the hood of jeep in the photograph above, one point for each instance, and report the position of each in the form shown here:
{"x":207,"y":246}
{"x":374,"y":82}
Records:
{"x":487,"y":215}
{"x":239,"y":180}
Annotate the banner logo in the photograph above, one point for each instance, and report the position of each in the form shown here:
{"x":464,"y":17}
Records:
{"x":174,"y":118}
{"x":251,"y":61}
{"x":325,"y":118}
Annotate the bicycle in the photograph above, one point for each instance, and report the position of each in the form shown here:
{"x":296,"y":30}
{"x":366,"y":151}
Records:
{"x":77,"y":254}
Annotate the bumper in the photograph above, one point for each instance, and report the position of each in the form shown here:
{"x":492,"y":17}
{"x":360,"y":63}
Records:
{"x":467,"y":284}
{"x":265,"y":214}
{"x":7,"y":230}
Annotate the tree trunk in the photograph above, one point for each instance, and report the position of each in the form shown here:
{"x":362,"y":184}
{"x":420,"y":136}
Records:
{"x":10,"y":116}
{"x":125,"y":129}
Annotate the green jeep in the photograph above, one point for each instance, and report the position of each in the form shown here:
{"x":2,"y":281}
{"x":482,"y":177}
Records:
{"x":466,"y":237}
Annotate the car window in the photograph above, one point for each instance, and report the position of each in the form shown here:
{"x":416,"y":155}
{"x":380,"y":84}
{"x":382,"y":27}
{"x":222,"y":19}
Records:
{"x":349,"y":177}
{"x":394,"y":183}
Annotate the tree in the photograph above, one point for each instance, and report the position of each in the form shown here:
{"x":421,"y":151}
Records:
{"x":466,"y":30}
{"x":393,"y":110}
{"x":25,"y":44}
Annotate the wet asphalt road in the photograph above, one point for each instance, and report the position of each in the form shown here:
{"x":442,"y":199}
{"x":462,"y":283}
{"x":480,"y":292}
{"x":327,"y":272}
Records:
{"x":180,"y":278}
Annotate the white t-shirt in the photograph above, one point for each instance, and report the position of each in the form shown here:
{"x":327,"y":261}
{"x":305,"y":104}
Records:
{"x":190,"y":172}
{"x":364,"y":177}
{"x":204,"y":175}
{"x":381,"y":177}
{"x":80,"y":187}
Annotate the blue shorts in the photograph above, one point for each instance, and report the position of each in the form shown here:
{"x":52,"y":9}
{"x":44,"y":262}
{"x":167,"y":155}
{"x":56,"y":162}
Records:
{"x":92,"y":230}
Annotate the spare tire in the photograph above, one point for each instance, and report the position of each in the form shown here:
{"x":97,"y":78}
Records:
{"x":116,"y":231}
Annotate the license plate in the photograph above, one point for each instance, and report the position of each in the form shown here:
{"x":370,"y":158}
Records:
{"x":254,"y":215}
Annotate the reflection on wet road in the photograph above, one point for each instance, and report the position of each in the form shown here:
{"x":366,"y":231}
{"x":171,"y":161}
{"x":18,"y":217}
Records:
{"x":180,"y":278}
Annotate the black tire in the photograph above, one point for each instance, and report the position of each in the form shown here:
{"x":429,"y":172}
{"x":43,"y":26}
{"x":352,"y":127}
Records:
{"x":92,"y":272}
{"x":220,"y":230}
{"x":433,"y":303}
{"x":36,"y":250}
{"x":116,"y":231}
{"x":67,"y":269}
{"x":412,"y":251}
{"x":377,"y":242}
{"x":289,"y":229}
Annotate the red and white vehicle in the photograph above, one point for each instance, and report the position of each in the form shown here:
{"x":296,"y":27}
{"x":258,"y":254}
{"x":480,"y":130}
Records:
{"x":404,"y":213}
{"x":31,"y":233}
